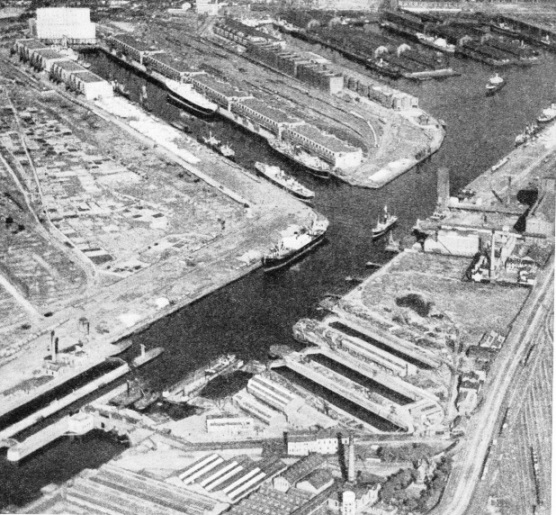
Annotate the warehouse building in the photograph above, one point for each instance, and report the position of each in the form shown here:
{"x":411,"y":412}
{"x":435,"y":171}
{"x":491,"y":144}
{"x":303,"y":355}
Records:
{"x":328,"y":147}
{"x":131,"y":47}
{"x":62,"y":70}
{"x":297,"y":472}
{"x":219,"y":92}
{"x":25,"y":47}
{"x":324,"y":442}
{"x":274,"y":394}
{"x":170,"y":66}
{"x":259,"y":410}
{"x":70,"y":24}
{"x":90,"y":85}
{"x":228,"y":425}
{"x":275,"y":120}
{"x":44,"y":58}
{"x":237,"y":32}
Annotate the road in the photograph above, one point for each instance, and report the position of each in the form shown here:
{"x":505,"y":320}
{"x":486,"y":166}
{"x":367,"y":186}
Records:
{"x":466,"y":472}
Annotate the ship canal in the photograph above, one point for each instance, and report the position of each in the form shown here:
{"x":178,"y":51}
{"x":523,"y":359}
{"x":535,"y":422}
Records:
{"x":260,"y":310}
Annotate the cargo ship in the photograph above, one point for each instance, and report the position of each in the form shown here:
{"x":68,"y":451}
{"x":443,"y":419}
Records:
{"x":183,"y":95}
{"x":296,"y":241}
{"x":278,"y":177}
{"x":384,"y":224}
{"x":494,"y":84}
{"x":314,"y":164}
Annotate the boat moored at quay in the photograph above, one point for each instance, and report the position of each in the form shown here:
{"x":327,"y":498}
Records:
{"x":278,"y":177}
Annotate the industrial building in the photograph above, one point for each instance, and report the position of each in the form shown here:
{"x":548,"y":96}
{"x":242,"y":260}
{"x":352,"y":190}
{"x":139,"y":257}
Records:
{"x":227,"y":425}
{"x":112,"y":489}
{"x":268,"y":501}
{"x":169,"y":66}
{"x":62,"y":68}
{"x":274,"y":394}
{"x":234,"y":30}
{"x":302,"y":67}
{"x":232,"y":479}
{"x":324,"y":442}
{"x":130,"y":47}
{"x":220,"y":92}
{"x":90,"y":85}
{"x":297,"y":472}
{"x":268,"y":117}
{"x":70,"y":24}
{"x":331,"y":149}
{"x":259,"y":410}
{"x":316,"y":482}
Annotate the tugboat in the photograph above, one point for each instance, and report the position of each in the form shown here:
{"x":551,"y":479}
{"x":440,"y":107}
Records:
{"x":548,"y":114}
{"x":277,"y":176}
{"x":296,"y":241}
{"x":227,"y":151}
{"x":384,"y":225}
{"x":494,"y":84}
{"x":211,"y":141}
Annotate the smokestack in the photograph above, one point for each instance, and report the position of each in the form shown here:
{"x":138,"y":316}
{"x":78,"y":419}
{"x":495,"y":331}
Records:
{"x":509,"y":196}
{"x":492,"y":246}
{"x":55,"y":350}
{"x":443,"y":186}
{"x":351,"y":460}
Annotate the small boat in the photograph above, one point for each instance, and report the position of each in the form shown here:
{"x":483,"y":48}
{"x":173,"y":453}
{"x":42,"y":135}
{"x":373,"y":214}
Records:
{"x":120,"y":89}
{"x":148,"y":398}
{"x":278,"y":177}
{"x":296,"y":242}
{"x":211,"y":141}
{"x":548,"y":114}
{"x":181,"y":126}
{"x":494,"y":84}
{"x":393,"y":246}
{"x":384,"y":224}
{"x":227,"y":151}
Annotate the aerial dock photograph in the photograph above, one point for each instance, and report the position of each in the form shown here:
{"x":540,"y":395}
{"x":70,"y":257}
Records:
{"x":275,"y":257}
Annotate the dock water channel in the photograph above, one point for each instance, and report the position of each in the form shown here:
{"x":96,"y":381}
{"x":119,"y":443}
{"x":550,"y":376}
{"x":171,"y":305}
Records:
{"x":258,"y":311}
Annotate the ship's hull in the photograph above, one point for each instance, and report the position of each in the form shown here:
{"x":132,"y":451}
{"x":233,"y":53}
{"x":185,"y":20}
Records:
{"x":381,"y":232}
{"x":273,"y":264}
{"x":317,"y":172}
{"x":183,"y":103}
{"x":301,"y":196}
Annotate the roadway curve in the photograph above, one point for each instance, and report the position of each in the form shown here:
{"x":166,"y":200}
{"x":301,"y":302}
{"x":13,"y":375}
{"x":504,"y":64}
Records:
{"x":466,"y":473}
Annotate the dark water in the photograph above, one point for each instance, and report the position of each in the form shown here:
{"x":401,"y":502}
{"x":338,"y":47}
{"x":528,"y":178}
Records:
{"x":258,"y":311}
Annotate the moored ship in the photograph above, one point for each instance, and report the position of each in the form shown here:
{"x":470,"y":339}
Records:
{"x":314,"y":164}
{"x":278,"y":177}
{"x":194,"y":382}
{"x":296,"y":241}
{"x":148,"y":398}
{"x":494,"y":84}
{"x":384,"y":224}
{"x":184,"y":96}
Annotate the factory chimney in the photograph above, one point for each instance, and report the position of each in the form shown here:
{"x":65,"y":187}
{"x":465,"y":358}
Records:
{"x":351,"y":460}
{"x":55,"y":349}
{"x":509,"y":195}
{"x":443,"y":186}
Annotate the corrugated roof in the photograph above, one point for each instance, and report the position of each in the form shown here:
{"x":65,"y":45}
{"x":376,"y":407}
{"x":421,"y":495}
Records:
{"x":328,"y":141}
{"x":142,"y":46}
{"x":274,"y":114}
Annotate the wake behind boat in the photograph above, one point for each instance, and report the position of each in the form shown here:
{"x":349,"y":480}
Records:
{"x":278,"y":177}
{"x":384,"y":224}
{"x":296,"y":242}
{"x":494,"y":84}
